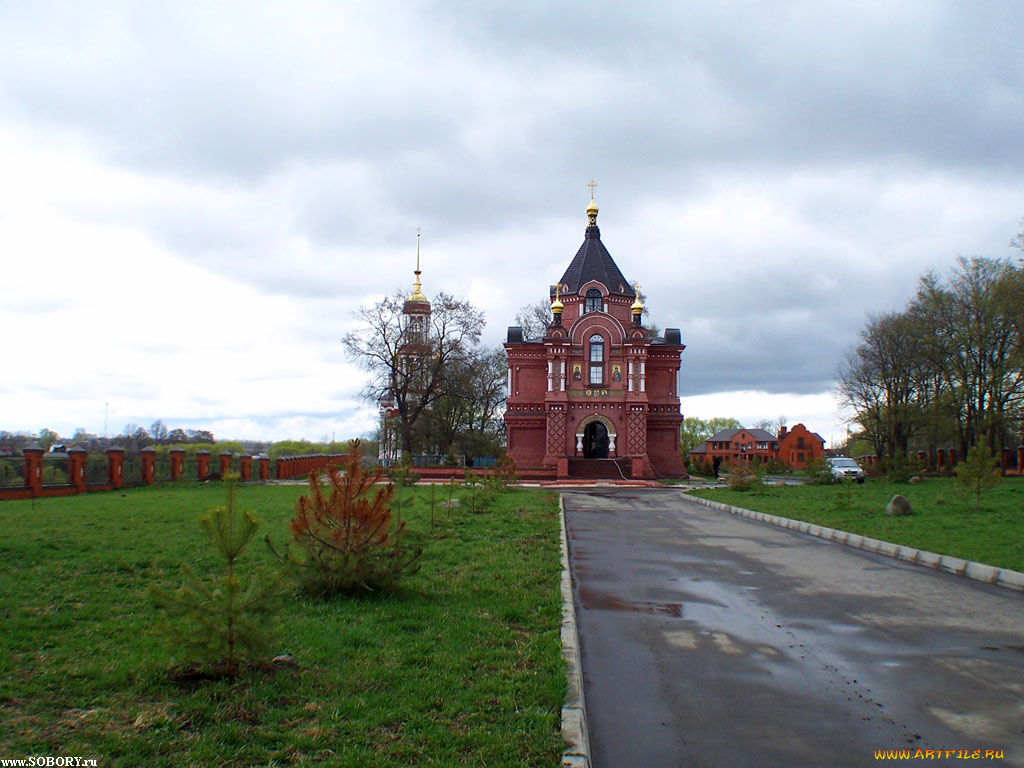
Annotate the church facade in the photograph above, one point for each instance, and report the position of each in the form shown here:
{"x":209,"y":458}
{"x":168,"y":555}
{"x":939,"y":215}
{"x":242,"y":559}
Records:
{"x":596,"y":395}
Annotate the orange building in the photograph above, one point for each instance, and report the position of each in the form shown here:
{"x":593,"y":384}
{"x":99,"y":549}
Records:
{"x":795,"y":446}
{"x":799,"y":445}
{"x":733,"y":445}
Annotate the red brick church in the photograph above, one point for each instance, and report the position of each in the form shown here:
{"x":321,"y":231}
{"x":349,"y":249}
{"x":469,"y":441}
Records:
{"x":596,"y":395}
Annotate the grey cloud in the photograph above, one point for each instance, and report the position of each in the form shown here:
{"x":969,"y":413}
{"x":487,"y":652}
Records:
{"x":296,"y":149}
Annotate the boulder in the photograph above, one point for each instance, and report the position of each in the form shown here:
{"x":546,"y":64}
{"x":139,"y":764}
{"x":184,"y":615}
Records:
{"x":897,"y":506}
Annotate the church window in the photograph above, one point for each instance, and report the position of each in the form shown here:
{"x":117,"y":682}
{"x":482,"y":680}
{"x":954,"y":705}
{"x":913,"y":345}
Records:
{"x":592,"y":301}
{"x":596,"y":358}
{"x":414,"y":329}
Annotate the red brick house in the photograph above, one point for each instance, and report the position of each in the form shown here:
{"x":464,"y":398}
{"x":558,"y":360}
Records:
{"x":795,"y":446}
{"x":799,"y":445}
{"x":733,"y":445}
{"x":596,"y":395}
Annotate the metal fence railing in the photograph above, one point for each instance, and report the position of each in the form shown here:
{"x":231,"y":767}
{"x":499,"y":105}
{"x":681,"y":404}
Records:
{"x":96,"y":469}
{"x":132,"y":470}
{"x":12,"y":472}
{"x":55,"y":469}
{"x":437,"y":460}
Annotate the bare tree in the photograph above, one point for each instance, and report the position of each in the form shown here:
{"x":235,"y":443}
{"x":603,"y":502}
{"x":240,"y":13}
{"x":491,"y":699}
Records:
{"x":976,"y":345}
{"x":406,"y":365}
{"x":876,"y":380}
{"x":158,"y":431}
{"x":948,"y":368}
{"x":534,"y":319}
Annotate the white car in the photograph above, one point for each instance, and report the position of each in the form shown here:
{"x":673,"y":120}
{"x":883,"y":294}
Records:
{"x":843,"y":467}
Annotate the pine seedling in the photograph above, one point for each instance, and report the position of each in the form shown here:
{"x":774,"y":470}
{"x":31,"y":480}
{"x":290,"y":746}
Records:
{"x":977,"y":473}
{"x":505,"y":469}
{"x":348,"y":539}
{"x":222,"y":621}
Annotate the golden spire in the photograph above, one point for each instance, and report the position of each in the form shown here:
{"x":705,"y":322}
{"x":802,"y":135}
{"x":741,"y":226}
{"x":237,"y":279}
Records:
{"x":638,"y":306}
{"x":557,"y":306}
{"x":417,"y":288}
{"x":592,"y":208}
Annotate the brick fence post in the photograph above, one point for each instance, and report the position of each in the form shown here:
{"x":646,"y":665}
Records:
{"x":225,"y":462}
{"x":264,"y":461}
{"x":940,"y":461}
{"x":245,"y":466}
{"x":115,"y":466}
{"x":202,"y":463}
{"x":77,"y":457}
{"x":952,"y":458}
{"x":34,"y":468}
{"x":177,"y":463}
{"x":1004,"y":460}
{"x":1020,"y":459}
{"x":148,"y":457}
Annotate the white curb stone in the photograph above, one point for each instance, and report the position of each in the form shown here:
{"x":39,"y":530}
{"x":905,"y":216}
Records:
{"x":575,"y":734}
{"x":1011,"y":579}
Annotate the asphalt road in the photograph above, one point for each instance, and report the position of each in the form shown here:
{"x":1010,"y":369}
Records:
{"x":711,"y":640}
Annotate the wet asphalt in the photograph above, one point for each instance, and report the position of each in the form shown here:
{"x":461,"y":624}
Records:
{"x":711,"y":640}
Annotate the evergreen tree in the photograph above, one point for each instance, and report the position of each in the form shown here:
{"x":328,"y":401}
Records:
{"x":978,"y":473}
{"x":350,"y":541}
{"x":222,"y":620}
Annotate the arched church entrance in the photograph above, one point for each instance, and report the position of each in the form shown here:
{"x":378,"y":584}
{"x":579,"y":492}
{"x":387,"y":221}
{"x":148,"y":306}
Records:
{"x":595,"y":441}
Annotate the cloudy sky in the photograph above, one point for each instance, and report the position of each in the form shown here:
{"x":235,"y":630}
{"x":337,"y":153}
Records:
{"x":195,"y":195}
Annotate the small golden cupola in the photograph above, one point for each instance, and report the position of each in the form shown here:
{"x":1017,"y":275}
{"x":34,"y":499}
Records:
{"x":592,"y":208}
{"x":557,"y":306}
{"x":637,"y":309}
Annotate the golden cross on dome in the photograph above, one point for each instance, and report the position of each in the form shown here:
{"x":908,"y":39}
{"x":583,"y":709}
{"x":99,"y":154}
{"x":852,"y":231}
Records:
{"x":593,"y":186}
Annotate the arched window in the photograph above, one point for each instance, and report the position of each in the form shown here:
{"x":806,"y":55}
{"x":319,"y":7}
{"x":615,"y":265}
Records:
{"x":596,"y":360}
{"x":414,"y":329}
{"x":592,"y":301}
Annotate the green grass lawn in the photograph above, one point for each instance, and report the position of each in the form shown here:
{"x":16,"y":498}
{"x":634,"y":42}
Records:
{"x":460,"y":666}
{"x":942,"y":522}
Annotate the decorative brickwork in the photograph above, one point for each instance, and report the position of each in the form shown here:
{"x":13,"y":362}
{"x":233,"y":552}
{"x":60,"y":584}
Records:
{"x":556,"y":430}
{"x":637,"y":432}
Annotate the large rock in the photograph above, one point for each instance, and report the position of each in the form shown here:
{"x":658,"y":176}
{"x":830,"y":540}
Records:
{"x":898,"y":505}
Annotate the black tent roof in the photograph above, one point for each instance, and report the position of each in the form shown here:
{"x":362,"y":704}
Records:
{"x":593,"y":262}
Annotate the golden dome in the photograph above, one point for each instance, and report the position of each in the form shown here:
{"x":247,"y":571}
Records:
{"x":592,"y":208}
{"x":417,"y":291}
{"x":557,"y":306}
{"x":638,"y":306}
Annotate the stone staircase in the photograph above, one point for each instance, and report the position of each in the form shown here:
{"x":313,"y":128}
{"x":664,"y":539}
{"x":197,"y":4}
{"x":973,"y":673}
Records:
{"x":600,"y":469}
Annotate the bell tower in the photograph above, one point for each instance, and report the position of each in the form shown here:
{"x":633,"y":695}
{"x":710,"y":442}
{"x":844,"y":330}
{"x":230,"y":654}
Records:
{"x":416,"y":311}
{"x":413,"y":349}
